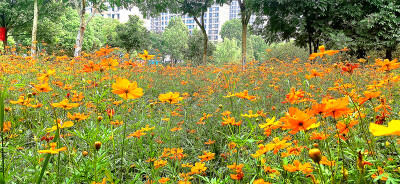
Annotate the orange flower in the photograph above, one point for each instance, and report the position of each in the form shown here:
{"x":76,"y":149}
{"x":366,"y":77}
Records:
{"x":198,"y":168}
{"x":297,"y":166}
{"x":325,"y":161}
{"x":159,"y":163}
{"x":207,"y":156}
{"x":298,"y":120}
{"x":314,"y":73}
{"x":60,"y":125}
{"x":227,"y":120}
{"x":319,"y":136}
{"x":163,"y":180}
{"x":137,"y":134}
{"x":368,"y":96}
{"x":318,"y":109}
{"x":116,"y":122}
{"x":45,"y":76}
{"x":126,"y":89}
{"x":146,"y":55}
{"x":43,"y":87}
{"x":278,"y":144}
{"x":245,"y":95}
{"x":337,"y":108}
{"x":386,"y":65}
{"x":262,"y":149}
{"x":77,"y":116}
{"x":91,"y":67}
{"x":260,"y":181}
{"x":65,"y":105}
{"x":294,"y":96}
{"x":380,"y":172}
{"x":53,"y":149}
{"x":170,"y":97}
{"x":6,"y":126}
{"x":345,"y":128}
{"x":238,"y":169}
{"x":109,"y":63}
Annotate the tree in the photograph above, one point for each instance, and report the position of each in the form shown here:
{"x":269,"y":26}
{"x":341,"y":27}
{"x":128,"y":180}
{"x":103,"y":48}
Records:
{"x":34,"y":27}
{"x":195,"y":49}
{"x":246,"y":11}
{"x":193,"y":8}
{"x":14,"y":14}
{"x":299,"y":19}
{"x":259,"y":47}
{"x":232,"y":30}
{"x":381,"y":28}
{"x":175,"y":38}
{"x":132,"y":35}
{"x":97,"y":6}
{"x":227,"y":51}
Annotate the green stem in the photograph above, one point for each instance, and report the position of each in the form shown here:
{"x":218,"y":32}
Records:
{"x":46,"y":162}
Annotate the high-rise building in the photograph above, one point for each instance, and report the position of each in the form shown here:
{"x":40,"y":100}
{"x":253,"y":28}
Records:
{"x":123,"y":14}
{"x":214,"y":18}
{"x":234,"y":12}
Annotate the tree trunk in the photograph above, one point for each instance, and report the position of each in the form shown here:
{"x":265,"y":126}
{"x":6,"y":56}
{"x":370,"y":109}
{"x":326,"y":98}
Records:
{"x":34,"y":28}
{"x":389,"y":53}
{"x":244,"y":40}
{"x":205,"y":47}
{"x":245,"y":18}
{"x":81,"y":31}
{"x":309,"y":44}
{"x":315,"y":46}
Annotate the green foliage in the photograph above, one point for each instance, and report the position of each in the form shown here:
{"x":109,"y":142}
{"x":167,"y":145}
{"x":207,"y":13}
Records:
{"x":259,"y":47}
{"x":286,"y":51}
{"x":227,"y":52}
{"x":232,"y":29}
{"x":132,"y":35}
{"x":175,"y":38}
{"x":195,"y":50}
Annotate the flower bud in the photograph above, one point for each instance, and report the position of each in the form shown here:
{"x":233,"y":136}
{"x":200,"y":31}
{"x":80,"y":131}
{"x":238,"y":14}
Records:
{"x":84,"y":153}
{"x":220,"y":106}
{"x":99,"y":118}
{"x":97,"y":145}
{"x":29,"y":95}
{"x":315,"y":154}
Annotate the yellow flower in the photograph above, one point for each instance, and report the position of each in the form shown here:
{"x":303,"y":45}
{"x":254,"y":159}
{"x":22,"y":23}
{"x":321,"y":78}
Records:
{"x":250,"y":115}
{"x":77,"y":116}
{"x":393,"y":128}
{"x":109,"y":63}
{"x":60,"y":126}
{"x":126,"y":89}
{"x":53,"y":149}
{"x":43,"y":87}
{"x":65,"y":105}
{"x":146,"y":55}
{"x":170,"y":97}
{"x":45,"y":76}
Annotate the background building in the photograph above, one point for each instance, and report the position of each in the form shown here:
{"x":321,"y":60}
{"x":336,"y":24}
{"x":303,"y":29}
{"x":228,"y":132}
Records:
{"x":214,"y":18}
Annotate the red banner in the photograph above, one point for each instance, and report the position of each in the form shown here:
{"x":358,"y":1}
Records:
{"x":2,"y":33}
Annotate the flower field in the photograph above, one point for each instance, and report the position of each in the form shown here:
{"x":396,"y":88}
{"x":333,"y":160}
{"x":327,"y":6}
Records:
{"x":101,"y":118}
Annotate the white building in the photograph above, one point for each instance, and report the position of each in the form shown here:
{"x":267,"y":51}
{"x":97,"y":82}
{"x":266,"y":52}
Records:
{"x":214,"y":18}
{"x":234,"y":12}
{"x":123,"y":15}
